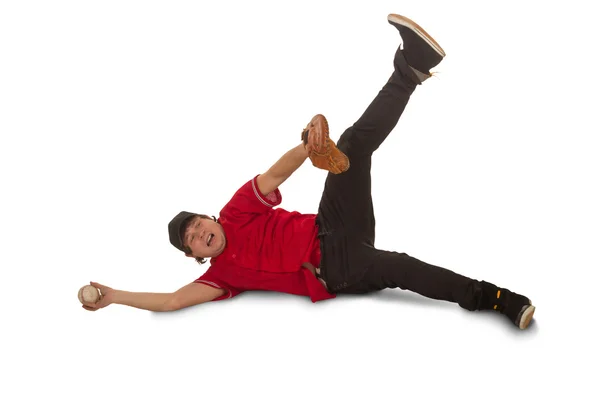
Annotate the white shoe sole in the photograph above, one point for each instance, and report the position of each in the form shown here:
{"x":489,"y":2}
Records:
{"x":526,"y":317}
{"x":401,"y":20}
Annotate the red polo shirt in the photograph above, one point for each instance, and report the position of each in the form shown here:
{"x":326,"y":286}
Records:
{"x":265,"y":248}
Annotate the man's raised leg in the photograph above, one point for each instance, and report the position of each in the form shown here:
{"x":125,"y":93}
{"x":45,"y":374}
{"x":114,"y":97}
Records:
{"x":413,"y":60}
{"x":345,"y":216}
{"x":346,"y":202}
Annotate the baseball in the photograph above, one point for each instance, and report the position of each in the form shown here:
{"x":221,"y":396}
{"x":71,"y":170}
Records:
{"x":89,"y":294}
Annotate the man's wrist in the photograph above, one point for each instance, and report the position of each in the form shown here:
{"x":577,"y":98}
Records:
{"x":302,"y":150}
{"x":116,"y":297}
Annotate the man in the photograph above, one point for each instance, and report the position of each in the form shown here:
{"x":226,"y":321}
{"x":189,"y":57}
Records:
{"x":255,"y":246}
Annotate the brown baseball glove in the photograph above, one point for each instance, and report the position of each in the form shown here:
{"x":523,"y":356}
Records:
{"x":322,"y":152}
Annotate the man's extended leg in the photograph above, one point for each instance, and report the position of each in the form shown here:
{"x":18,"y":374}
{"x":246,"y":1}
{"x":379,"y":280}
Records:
{"x":391,"y":269}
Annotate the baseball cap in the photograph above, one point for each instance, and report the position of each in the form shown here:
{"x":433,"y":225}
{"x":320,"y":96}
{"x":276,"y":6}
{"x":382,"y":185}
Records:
{"x":175,"y":228}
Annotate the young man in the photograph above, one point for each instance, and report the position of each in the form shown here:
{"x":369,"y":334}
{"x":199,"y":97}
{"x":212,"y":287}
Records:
{"x":255,"y":246}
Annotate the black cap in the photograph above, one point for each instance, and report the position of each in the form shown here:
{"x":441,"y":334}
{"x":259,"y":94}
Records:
{"x":175,"y":228}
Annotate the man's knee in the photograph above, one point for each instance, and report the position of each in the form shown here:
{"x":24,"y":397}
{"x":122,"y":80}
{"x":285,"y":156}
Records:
{"x":353,"y":144}
{"x":343,"y":144}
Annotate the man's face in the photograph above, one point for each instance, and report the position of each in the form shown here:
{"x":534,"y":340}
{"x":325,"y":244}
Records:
{"x":204,"y":237}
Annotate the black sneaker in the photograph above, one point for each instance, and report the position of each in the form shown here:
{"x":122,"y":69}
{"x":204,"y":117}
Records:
{"x":421,"y":51}
{"x":516,"y":307}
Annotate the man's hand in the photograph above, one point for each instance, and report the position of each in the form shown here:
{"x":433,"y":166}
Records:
{"x":107,"y":297}
{"x":321,"y":150}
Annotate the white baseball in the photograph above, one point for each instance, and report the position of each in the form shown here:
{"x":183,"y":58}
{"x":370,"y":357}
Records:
{"x":88,"y":294}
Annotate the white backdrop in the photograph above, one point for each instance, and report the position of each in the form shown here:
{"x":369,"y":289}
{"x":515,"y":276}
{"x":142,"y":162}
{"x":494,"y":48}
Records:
{"x":116,"y":115}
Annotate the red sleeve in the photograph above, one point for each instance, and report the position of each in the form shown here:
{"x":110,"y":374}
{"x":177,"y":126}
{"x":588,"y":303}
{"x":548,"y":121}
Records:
{"x":210,"y":278}
{"x":249,"y":200}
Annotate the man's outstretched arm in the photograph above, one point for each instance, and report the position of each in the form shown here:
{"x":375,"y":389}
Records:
{"x":282,"y":169}
{"x":189,"y":295}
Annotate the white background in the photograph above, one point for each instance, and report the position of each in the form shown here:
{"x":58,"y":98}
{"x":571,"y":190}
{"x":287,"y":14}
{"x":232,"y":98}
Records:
{"x":116,"y":115}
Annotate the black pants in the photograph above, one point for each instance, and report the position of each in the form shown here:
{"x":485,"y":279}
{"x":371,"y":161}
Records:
{"x":350,"y":262}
